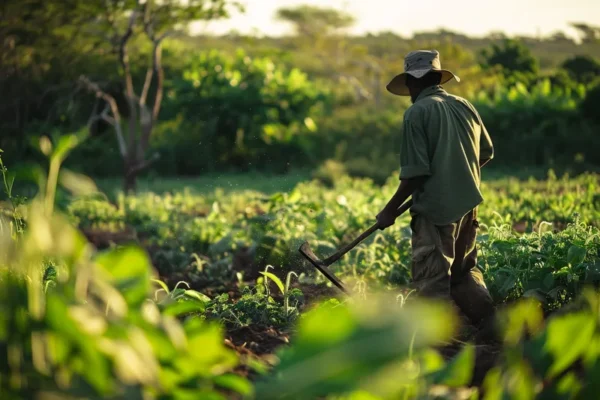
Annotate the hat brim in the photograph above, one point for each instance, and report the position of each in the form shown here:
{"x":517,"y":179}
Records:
{"x":398,"y":86}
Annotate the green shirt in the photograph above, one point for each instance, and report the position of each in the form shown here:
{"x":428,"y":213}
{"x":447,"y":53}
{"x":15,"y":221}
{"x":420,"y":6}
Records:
{"x":445,"y":139}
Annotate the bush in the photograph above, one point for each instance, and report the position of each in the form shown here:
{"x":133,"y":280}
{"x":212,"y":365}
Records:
{"x":539,"y":126}
{"x":330,"y":172}
{"x":365,"y":140}
{"x":590,"y":105}
{"x":244,"y":112}
{"x":583,"y":69}
{"x":513,"y":58}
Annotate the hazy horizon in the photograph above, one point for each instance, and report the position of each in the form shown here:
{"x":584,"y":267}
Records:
{"x":473,"y":18}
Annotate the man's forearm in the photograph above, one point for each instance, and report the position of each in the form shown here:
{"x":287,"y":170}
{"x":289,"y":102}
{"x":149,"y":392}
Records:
{"x":406,"y":188}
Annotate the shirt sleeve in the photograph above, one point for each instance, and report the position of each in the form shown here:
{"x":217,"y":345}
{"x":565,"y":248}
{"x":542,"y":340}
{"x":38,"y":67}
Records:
{"x":486,"y":147}
{"x":414,"y":157}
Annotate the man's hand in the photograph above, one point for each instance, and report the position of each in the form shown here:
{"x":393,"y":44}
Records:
{"x":386,"y":218}
{"x":407,"y":187}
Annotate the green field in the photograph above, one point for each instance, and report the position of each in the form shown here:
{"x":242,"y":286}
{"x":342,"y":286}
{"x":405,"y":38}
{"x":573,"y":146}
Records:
{"x":539,"y":239}
{"x":267,"y":229}
{"x":195,"y":287}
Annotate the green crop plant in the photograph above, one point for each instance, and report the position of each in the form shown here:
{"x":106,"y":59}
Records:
{"x":257,"y":307}
{"x":290,"y":312}
{"x":187,"y":300}
{"x":94,"y":333}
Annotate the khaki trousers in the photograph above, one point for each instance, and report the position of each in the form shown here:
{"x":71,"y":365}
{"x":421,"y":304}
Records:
{"x":444,"y":265}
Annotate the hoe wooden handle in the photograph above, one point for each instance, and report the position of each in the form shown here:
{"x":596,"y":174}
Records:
{"x":337,"y":255}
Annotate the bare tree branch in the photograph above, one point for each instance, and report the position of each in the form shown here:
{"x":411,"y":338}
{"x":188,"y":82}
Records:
{"x":130,"y":93}
{"x":110,"y":100}
{"x":147,"y":121}
{"x":148,"y":22}
{"x":160,"y":74}
{"x":146,"y":88}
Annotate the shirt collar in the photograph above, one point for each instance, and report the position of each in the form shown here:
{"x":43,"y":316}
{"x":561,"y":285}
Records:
{"x":430,"y":91}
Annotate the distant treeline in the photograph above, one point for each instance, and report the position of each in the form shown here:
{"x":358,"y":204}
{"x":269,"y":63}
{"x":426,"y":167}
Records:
{"x":245,"y":103}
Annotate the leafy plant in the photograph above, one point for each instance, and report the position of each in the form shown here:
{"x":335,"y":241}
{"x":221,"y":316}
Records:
{"x":256,"y":307}
{"x":95,"y":334}
{"x":244,"y":106}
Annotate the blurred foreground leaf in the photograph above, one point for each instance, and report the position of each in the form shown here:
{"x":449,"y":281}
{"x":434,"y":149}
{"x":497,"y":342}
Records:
{"x":338,"y":348}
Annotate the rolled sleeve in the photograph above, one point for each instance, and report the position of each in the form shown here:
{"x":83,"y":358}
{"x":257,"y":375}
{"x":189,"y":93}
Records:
{"x":414,"y":157}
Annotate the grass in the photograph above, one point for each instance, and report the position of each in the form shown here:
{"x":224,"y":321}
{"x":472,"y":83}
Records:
{"x":210,"y":183}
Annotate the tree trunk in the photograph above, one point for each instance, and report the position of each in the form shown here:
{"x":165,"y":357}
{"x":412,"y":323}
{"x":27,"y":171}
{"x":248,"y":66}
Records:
{"x":130,"y":178}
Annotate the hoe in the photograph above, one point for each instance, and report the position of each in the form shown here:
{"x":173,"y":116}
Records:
{"x":322,"y":265}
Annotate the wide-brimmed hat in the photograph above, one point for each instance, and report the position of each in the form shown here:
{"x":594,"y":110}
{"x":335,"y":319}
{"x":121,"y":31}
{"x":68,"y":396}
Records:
{"x":418,"y":63}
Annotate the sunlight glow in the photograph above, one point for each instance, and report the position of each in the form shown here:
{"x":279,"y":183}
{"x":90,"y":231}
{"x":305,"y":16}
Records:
{"x":477,"y":18}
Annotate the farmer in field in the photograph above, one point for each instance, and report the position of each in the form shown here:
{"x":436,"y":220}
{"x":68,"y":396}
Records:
{"x":444,"y":145}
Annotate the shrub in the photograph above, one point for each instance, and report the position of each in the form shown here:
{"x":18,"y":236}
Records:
{"x":330,"y":172}
{"x":589,"y":106}
{"x":513,"y":58}
{"x":537,"y":126}
{"x":246,"y":111}
{"x":583,"y":69}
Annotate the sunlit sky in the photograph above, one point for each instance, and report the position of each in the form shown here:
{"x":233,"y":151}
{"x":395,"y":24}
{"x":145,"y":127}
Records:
{"x":473,"y":17}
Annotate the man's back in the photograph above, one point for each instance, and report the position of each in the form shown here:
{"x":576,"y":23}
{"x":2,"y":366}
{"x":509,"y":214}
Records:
{"x":444,"y":139}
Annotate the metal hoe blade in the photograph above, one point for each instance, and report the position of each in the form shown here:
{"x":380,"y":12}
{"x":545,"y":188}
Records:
{"x":307,"y":252}
{"x":322,"y":265}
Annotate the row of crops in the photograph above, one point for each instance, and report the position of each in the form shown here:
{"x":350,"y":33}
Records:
{"x":163,"y":297}
{"x":537,"y":237}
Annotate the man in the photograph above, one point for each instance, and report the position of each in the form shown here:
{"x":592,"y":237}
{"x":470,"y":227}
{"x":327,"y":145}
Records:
{"x":444,"y":145}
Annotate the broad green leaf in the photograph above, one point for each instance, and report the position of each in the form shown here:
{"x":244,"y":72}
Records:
{"x":78,"y":184}
{"x":576,"y":255}
{"x":178,"y":308}
{"x":508,"y":284}
{"x":294,"y":196}
{"x":95,"y":367}
{"x":161,"y":284}
{"x":208,"y":337}
{"x":525,"y":317}
{"x":548,"y":281}
{"x":338,"y":348}
{"x":275,"y":279}
{"x":130,"y":267}
{"x":310,"y":124}
{"x":45,"y":145}
{"x":459,"y":371}
{"x":236,"y":383}
{"x":65,"y":144}
{"x":560,"y":342}
{"x":197,"y":295}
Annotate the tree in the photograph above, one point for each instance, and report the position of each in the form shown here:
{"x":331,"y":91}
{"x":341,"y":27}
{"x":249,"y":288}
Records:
{"x":121,"y":23}
{"x":583,"y":69}
{"x":512,"y":57}
{"x":312,"y":21}
{"x":560,"y":37}
{"x":587,"y":33}
{"x":42,"y":46}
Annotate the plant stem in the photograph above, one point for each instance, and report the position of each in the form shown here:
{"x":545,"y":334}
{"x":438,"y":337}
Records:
{"x":51,"y":186}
